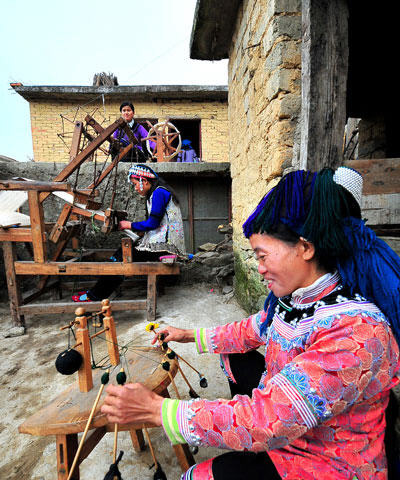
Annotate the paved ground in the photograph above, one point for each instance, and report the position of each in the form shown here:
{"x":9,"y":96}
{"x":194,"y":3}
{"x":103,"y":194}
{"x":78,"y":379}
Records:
{"x":30,"y":380}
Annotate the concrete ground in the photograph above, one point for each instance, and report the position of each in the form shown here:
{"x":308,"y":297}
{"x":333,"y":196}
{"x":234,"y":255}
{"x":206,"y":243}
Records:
{"x":30,"y":381}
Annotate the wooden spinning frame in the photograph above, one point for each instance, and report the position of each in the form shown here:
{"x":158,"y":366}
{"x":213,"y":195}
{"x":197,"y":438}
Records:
{"x":77,"y":409}
{"x":80,"y":203}
{"x":163,"y":134}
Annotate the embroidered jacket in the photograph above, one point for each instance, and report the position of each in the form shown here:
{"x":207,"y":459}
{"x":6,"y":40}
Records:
{"x":330,"y":362}
{"x":164,"y":227}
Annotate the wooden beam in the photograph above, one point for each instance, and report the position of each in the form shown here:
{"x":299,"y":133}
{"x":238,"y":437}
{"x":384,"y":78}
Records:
{"x":380,"y":176}
{"x":60,"y":247}
{"x":86,"y":153}
{"x":90,"y":443}
{"x":66,"y":447}
{"x":61,"y":221}
{"x":34,"y":185}
{"x":95,"y":268}
{"x":15,"y":234}
{"x":76,"y":140}
{"x":70,"y":307}
{"x":323,"y":82}
{"x":113,"y":164}
{"x":127,"y":245}
{"x":131,"y":136}
{"x":14,"y":292}
{"x":37,"y":226}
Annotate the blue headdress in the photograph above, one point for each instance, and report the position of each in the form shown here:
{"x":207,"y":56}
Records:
{"x":318,"y":207}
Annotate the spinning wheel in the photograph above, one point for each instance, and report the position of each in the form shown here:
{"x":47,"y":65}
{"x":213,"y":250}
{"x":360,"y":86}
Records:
{"x":167,"y":140}
{"x":78,"y":408}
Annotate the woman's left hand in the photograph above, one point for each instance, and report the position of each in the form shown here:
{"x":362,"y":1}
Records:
{"x":124,"y":225}
{"x":132,"y":403}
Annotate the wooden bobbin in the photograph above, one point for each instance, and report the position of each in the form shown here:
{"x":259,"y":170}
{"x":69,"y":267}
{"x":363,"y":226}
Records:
{"x":83,"y":346}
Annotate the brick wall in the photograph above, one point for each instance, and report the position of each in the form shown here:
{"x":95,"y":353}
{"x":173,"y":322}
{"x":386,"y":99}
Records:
{"x":264,"y":106}
{"x":47,"y":123}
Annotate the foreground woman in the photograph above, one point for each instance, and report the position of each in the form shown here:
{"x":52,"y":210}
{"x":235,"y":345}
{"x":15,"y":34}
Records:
{"x":314,"y":407}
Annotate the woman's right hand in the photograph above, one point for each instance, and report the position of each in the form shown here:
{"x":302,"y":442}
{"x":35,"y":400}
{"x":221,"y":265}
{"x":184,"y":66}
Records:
{"x":172,"y":334}
{"x":124,"y":225}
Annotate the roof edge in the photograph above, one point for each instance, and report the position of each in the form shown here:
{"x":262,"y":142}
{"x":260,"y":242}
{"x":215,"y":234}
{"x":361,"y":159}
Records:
{"x":145,"y":92}
{"x":212,"y":30}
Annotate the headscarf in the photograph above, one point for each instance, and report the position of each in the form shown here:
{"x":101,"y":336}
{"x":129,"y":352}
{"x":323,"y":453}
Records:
{"x":186,"y":144}
{"x":141,"y":171}
{"x":325,"y":208}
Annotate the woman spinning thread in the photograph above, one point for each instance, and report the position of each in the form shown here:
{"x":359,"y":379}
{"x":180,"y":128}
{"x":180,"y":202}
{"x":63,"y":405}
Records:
{"x":314,"y":406}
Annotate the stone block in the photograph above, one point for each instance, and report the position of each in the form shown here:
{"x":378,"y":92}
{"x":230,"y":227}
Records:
{"x":276,"y":7}
{"x":284,"y":27}
{"x":290,"y":106}
{"x":207,"y":247}
{"x":285,"y":54}
{"x":278,"y":81}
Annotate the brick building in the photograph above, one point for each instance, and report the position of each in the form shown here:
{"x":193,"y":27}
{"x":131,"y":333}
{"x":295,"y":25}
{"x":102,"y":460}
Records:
{"x":198,"y":112}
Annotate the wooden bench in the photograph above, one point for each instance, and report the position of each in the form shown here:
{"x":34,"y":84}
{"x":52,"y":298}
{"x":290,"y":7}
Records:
{"x":149,"y":269}
{"x":20,"y":306}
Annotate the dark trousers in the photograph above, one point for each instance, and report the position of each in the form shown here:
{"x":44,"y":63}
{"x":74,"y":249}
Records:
{"x":247,"y":369}
{"x":107,"y":284}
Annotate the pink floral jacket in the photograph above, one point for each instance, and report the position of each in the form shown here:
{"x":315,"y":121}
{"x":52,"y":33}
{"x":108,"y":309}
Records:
{"x":319,"y":408}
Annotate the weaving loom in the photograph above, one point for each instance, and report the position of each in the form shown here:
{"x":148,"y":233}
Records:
{"x":79,"y":203}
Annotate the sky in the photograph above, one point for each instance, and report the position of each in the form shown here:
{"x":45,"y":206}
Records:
{"x":66,"y":42}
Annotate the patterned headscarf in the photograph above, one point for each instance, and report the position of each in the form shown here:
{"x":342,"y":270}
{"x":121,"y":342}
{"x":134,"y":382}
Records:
{"x":140,"y":171}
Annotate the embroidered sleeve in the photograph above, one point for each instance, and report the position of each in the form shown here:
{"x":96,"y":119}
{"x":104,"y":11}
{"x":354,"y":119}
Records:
{"x":160,"y":200}
{"x":235,"y":337}
{"x":345,"y":365}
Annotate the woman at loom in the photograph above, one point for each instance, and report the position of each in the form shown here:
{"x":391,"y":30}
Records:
{"x":314,"y":406}
{"x":161,"y":234}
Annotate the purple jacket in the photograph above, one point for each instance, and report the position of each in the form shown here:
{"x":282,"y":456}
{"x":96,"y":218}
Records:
{"x":186,"y":156}
{"x":138,"y":130}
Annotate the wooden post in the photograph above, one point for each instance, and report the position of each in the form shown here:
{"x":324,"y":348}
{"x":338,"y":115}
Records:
{"x":66,"y":447}
{"x":14,"y":292}
{"x":37,"y":226}
{"x":111,"y":334}
{"x":76,"y":141}
{"x":323,"y":82}
{"x":82,"y":337}
{"x":137,"y":440}
{"x":127,"y":245}
{"x":61,"y":221}
{"x":151,"y":297}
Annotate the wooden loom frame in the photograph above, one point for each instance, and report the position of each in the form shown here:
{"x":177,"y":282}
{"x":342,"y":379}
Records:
{"x":39,"y":233}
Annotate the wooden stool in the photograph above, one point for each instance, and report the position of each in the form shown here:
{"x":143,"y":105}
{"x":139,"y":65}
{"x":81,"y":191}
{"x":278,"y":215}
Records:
{"x":67,"y":414}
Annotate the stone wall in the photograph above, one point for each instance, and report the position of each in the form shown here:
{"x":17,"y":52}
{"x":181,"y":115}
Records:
{"x":47,"y":123}
{"x":263,"y":108}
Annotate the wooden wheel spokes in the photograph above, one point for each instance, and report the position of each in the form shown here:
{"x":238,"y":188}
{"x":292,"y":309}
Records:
{"x":163,"y":135}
